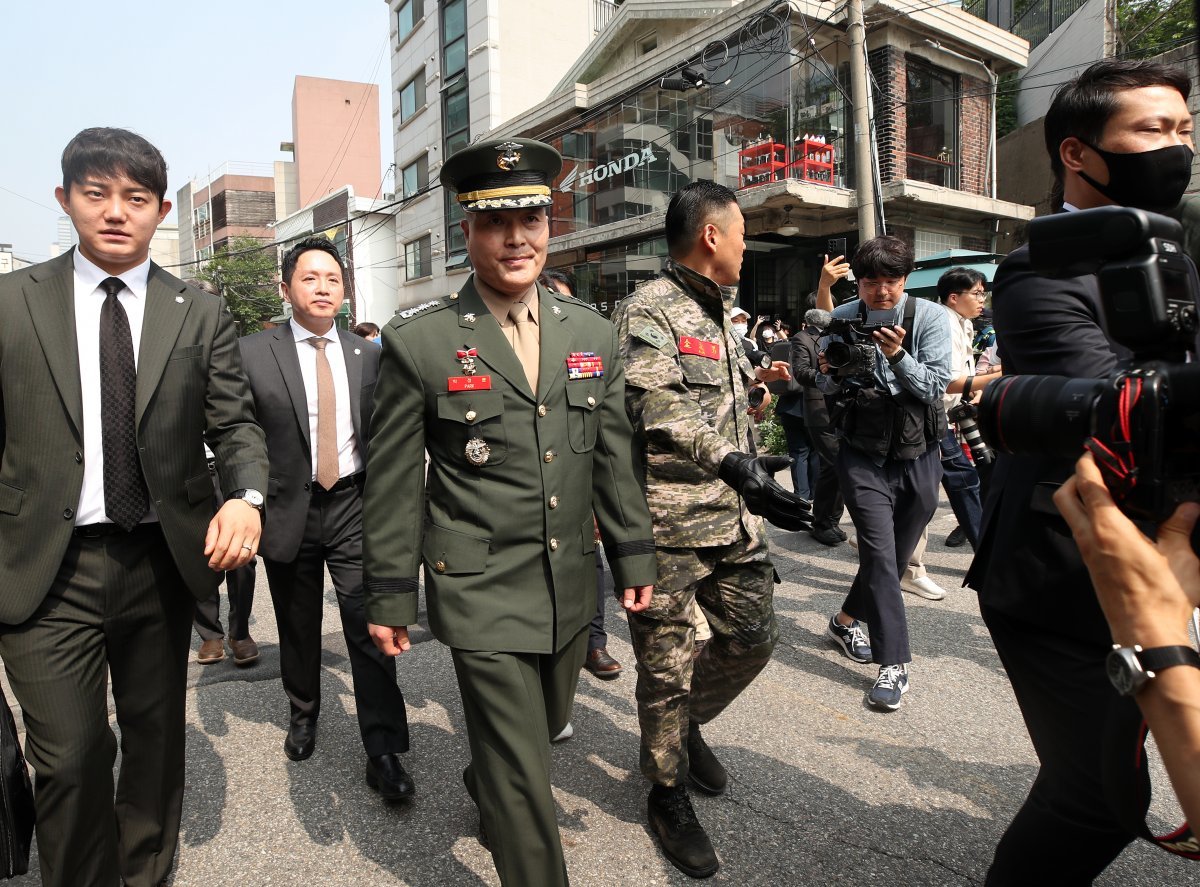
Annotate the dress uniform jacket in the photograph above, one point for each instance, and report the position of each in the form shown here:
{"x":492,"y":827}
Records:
{"x":686,"y":374}
{"x":507,"y":541}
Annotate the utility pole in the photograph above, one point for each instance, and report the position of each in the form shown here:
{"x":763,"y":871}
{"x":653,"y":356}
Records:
{"x":864,"y":173}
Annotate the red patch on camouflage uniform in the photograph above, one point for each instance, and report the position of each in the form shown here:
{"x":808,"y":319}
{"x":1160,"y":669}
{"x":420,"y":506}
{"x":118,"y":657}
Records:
{"x":700,"y":347}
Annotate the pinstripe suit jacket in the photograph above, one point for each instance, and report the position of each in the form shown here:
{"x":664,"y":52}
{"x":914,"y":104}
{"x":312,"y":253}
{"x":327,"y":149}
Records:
{"x":190,"y":389}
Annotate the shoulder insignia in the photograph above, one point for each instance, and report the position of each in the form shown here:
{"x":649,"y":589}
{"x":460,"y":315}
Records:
{"x":653,"y":337}
{"x":404,"y":316}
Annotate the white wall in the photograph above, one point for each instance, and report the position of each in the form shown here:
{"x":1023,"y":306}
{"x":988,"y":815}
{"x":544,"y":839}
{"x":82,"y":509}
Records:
{"x":1064,"y":54}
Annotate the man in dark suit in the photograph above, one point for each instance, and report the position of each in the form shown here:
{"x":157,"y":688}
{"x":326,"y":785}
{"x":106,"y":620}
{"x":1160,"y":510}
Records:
{"x":828,"y":506}
{"x":1118,"y":134}
{"x":516,"y":393}
{"x":312,"y":386}
{"x":115,"y":375}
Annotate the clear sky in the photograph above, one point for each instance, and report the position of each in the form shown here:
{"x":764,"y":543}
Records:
{"x":206,"y":83}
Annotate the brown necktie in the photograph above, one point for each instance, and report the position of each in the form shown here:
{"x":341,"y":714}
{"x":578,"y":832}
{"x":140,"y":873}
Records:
{"x":525,"y":341}
{"x":327,"y":449}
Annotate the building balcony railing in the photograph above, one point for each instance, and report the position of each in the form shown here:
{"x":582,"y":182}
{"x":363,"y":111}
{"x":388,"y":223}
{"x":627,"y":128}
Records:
{"x":933,"y":170}
{"x":602,"y":13}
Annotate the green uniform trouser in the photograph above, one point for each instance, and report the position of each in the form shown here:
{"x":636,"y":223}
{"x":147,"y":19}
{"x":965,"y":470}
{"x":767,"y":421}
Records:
{"x":734,"y":585}
{"x":514,"y":703}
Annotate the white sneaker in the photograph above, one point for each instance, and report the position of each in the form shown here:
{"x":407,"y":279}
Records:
{"x":564,"y":734}
{"x":924,"y":587}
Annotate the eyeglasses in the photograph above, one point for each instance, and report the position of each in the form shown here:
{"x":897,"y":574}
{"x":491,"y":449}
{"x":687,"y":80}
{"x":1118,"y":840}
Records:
{"x":981,"y":295}
{"x":888,"y":285}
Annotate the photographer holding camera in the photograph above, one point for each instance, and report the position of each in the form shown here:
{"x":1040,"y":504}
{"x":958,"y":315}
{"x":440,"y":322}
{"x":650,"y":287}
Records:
{"x":888,"y":361}
{"x":1118,"y":135}
{"x":962,"y":291}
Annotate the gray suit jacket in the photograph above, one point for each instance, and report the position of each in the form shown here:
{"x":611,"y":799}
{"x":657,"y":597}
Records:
{"x":281,"y":406}
{"x":190,"y":389}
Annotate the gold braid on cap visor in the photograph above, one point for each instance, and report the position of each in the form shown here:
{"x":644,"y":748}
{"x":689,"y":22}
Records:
{"x":511,"y":191}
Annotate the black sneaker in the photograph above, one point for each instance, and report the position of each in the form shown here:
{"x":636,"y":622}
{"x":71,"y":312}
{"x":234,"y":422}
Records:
{"x":957,"y":538}
{"x":891,"y":684}
{"x":684,"y":842}
{"x":851,"y":639}
{"x":704,"y":770}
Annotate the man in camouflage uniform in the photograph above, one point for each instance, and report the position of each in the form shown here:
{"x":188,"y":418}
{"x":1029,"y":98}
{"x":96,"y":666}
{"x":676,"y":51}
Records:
{"x":685,"y":375}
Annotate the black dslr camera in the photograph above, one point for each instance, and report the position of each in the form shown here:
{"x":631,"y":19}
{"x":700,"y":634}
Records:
{"x":1142,"y":423}
{"x":853,"y":358}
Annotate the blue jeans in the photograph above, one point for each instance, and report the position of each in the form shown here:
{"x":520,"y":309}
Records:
{"x":805,"y":462}
{"x":961,"y":482}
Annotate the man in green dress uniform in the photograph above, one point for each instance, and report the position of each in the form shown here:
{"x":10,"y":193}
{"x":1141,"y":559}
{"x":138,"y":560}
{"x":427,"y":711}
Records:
{"x":517,"y":395}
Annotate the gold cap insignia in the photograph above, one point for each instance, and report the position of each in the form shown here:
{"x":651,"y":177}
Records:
{"x":510,"y":157}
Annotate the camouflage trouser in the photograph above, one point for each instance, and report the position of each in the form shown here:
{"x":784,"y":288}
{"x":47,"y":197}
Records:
{"x":735,"y":587}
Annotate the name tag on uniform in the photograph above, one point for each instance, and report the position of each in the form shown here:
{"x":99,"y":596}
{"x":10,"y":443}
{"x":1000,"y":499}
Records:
{"x":699,"y":347}
{"x":469,"y":383}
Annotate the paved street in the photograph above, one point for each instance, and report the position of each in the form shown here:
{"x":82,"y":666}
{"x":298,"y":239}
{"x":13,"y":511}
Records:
{"x":823,"y":790}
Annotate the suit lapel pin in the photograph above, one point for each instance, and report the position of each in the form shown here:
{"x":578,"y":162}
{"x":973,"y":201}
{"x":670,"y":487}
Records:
{"x":556,"y":310}
{"x":358,"y":351}
{"x":469,"y":317}
{"x":179,"y":299}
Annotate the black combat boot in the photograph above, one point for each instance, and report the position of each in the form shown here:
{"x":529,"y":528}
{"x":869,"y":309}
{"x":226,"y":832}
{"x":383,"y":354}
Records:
{"x":683,"y":840}
{"x":704,"y":770}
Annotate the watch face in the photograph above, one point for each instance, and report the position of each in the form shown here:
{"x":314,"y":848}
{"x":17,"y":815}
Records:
{"x":253,"y":497}
{"x":1124,"y":671}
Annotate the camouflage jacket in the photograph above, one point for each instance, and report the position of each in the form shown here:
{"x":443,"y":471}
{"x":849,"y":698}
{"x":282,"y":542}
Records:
{"x":685,"y":374}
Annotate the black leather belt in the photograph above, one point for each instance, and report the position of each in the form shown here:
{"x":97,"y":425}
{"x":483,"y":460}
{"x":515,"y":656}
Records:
{"x":100,"y":531}
{"x":344,"y":483}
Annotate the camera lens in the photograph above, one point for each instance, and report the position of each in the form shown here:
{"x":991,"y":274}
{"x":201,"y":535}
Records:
{"x":1039,"y":415}
{"x":839,"y":355}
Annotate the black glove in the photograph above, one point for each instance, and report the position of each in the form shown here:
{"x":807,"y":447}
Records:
{"x":751,"y":477}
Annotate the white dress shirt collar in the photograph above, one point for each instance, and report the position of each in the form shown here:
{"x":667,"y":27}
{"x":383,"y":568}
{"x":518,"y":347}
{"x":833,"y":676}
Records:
{"x":91,"y":275}
{"x":303,"y":335}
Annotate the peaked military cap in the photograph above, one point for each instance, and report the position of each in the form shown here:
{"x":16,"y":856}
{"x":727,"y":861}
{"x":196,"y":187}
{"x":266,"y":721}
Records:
{"x":502,"y":174}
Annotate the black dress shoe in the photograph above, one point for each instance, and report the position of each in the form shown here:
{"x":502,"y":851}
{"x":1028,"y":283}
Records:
{"x":829,"y":536}
{"x":386,"y":775}
{"x":301,"y":740}
{"x":957,"y":538}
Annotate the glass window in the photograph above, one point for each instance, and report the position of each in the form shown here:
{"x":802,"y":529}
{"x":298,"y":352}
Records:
{"x":648,"y":44}
{"x":456,"y":241}
{"x":407,"y":17}
{"x":932,"y":125}
{"x":457,"y":112}
{"x":417,"y":258}
{"x":415,"y":176}
{"x":454,"y":20}
{"x":412,"y":96}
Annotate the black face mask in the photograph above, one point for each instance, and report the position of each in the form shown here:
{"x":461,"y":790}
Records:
{"x":1149,"y":180}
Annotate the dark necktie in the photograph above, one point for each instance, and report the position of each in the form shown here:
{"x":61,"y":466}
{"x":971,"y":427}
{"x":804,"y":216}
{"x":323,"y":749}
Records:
{"x":125,"y":497}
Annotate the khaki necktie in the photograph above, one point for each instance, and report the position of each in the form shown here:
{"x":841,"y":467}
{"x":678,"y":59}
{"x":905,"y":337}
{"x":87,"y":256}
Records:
{"x":525,"y":341}
{"x":327,"y":449}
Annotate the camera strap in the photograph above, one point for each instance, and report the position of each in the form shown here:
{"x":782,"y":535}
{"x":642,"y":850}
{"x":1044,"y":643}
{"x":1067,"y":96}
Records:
{"x":1127,"y":781}
{"x":1115,"y":457}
